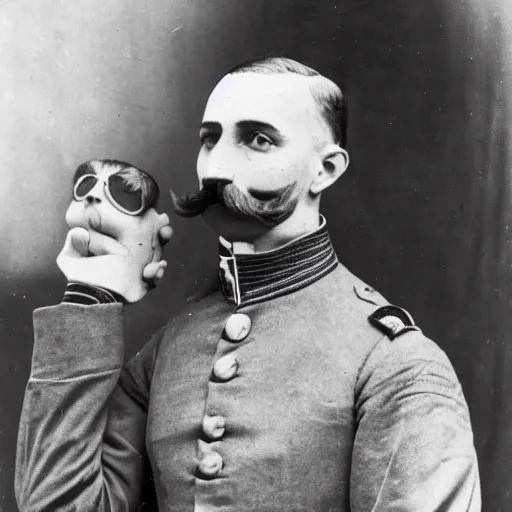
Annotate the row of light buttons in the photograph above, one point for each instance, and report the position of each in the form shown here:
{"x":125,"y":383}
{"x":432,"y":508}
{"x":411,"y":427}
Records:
{"x":211,"y":463}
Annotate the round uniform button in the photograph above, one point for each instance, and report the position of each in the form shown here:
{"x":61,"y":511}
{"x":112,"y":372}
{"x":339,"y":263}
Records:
{"x":214,"y":426}
{"x":237,"y":327}
{"x":226,"y":367}
{"x":211,"y":464}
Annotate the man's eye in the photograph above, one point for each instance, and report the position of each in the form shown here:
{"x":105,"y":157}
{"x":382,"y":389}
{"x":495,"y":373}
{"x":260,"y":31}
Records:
{"x":260,"y":141}
{"x":208,"y":140}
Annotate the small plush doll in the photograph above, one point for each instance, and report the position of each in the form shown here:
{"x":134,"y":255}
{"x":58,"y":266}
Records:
{"x":114,"y":239}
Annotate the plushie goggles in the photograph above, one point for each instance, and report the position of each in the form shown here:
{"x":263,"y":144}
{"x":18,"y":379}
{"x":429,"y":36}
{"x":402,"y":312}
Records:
{"x":119,"y":192}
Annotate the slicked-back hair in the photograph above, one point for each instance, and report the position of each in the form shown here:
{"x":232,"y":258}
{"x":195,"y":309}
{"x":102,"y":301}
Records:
{"x":326,"y":93}
{"x":135,"y":178}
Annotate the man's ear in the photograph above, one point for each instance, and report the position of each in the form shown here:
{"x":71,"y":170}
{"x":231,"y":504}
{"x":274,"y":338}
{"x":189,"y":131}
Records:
{"x":335,"y":161}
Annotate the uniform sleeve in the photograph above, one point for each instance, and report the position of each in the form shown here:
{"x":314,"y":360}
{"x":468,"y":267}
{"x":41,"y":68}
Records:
{"x":413,"y":448}
{"x":81,"y":439}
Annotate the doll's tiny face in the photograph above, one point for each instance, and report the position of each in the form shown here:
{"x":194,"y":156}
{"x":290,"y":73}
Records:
{"x":96,"y":210}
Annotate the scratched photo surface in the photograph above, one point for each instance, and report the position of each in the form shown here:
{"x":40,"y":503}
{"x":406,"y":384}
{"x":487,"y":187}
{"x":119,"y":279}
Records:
{"x":423,"y":212}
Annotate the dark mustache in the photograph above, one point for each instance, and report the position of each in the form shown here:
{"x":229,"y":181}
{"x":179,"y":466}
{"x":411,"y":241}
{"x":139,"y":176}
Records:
{"x":268,"y":207}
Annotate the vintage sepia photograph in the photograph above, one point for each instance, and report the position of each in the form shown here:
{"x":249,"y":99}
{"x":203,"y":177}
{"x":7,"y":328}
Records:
{"x":256,"y":256}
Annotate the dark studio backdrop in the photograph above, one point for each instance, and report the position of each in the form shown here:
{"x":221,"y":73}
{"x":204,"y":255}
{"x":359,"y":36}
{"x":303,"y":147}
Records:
{"x":423,"y":214}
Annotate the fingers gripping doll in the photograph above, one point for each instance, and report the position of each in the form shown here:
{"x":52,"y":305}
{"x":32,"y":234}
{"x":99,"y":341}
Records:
{"x":113,"y":240}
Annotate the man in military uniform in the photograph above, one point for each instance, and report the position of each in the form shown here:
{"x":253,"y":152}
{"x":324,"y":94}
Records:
{"x":292,"y":387}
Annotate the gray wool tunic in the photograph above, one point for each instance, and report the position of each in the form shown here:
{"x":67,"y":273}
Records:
{"x":298,"y":403}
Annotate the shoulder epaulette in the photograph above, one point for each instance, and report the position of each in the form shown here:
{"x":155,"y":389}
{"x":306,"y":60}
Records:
{"x":370,"y":295}
{"x":393,"y":321}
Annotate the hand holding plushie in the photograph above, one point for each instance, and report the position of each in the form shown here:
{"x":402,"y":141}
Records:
{"x":116,"y":235}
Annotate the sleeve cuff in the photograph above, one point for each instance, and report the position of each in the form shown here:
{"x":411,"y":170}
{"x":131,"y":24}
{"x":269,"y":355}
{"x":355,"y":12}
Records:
{"x":89,"y":295}
{"x":72,"y":340}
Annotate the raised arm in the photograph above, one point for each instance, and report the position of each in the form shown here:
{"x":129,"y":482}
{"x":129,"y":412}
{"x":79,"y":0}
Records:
{"x":81,"y":440}
{"x":82,"y":428}
{"x":413,"y":447}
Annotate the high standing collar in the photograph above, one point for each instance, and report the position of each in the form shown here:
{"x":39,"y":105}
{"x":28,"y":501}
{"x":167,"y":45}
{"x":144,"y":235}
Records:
{"x":251,"y":278}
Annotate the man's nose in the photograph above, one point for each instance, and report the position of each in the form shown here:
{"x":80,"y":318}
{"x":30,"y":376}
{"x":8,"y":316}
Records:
{"x":220,"y":163}
{"x":217,"y":171}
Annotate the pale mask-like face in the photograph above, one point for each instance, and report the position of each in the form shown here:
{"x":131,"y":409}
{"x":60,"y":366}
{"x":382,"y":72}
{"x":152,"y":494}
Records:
{"x":95,"y":210}
{"x":262,"y":133}
{"x":111,"y":199}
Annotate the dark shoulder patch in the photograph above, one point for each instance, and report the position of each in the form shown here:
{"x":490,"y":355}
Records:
{"x":392,"y":321}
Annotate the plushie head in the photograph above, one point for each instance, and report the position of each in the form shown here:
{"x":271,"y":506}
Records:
{"x":110,"y":196}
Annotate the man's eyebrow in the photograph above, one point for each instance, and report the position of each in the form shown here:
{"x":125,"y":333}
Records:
{"x":246,"y":125}
{"x":210,"y":125}
{"x":255,"y":125}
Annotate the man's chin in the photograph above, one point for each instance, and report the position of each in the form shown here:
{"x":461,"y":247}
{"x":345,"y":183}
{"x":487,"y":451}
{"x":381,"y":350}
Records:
{"x":232,"y":227}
